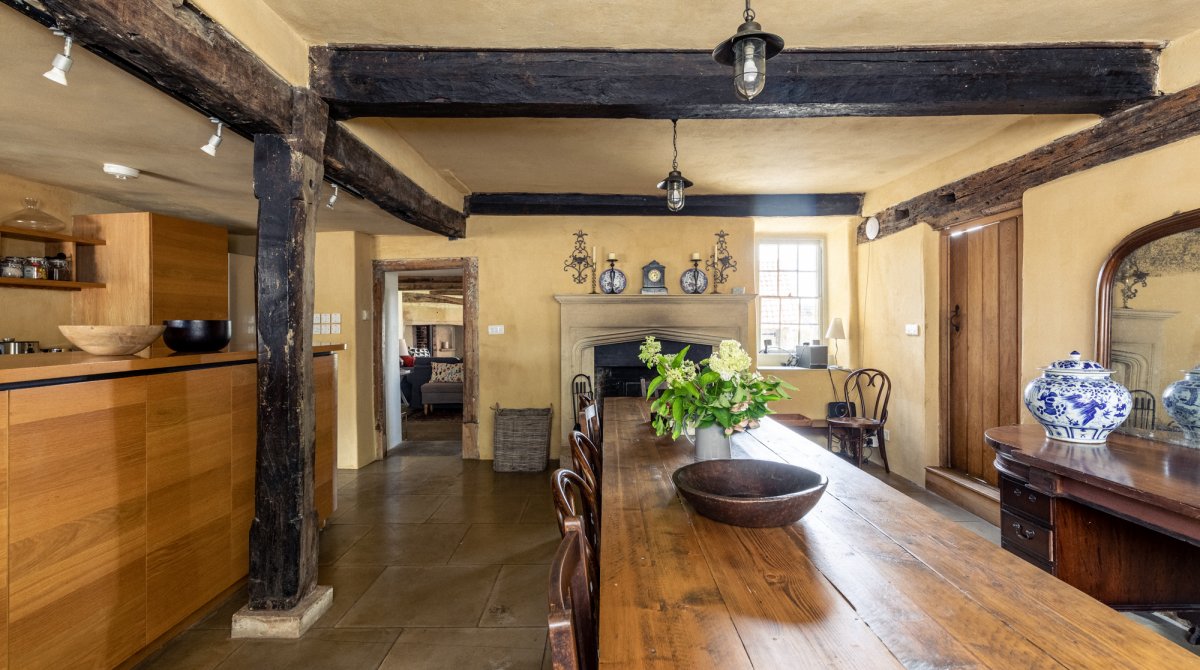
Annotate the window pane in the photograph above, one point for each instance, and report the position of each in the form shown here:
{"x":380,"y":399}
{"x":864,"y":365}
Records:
{"x":809,"y":256}
{"x":768,"y":256}
{"x":771,"y":333}
{"x":810,"y":311}
{"x":809,"y":333}
{"x":768,"y":283}
{"x":790,"y":337}
{"x":788,"y":284}
{"x":787,"y":256}
{"x":770,"y":311}
{"x":808,"y":285}
{"x":789,"y":310}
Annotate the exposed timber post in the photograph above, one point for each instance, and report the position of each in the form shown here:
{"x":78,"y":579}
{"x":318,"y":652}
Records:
{"x":283,"y":537}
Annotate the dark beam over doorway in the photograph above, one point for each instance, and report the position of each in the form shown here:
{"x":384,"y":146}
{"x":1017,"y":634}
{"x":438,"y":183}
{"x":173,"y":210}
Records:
{"x":588,"y":204}
{"x":360,"y":80}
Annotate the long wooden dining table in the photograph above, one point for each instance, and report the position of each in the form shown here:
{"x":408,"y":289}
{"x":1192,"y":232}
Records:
{"x":870,"y":579}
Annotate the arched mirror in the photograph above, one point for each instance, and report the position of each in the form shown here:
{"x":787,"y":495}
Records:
{"x":1148,"y":318}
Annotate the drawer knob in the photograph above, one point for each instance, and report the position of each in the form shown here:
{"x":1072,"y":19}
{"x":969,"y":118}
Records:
{"x":1032,"y":498}
{"x":1017,"y":492}
{"x":1026,"y":533}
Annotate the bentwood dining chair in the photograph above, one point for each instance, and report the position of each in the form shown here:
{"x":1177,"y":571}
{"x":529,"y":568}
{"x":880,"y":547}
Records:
{"x":574,"y":497}
{"x":1142,"y":415}
{"x":589,"y":422}
{"x":572,"y":618}
{"x":867,"y":392}
{"x":587,"y":458}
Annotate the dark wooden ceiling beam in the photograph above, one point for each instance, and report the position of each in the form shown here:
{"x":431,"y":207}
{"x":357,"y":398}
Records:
{"x":432,"y":299}
{"x":588,"y":204}
{"x":1053,"y":79}
{"x":1157,"y":123}
{"x":177,"y":49}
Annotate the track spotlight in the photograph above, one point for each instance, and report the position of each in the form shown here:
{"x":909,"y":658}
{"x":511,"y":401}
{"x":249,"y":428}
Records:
{"x":215,"y":140}
{"x":62,"y":62}
{"x":332,"y":198}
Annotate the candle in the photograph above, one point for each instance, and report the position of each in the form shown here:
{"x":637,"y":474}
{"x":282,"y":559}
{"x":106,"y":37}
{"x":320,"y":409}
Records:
{"x":612,"y":256}
{"x":695,"y":255}
{"x":593,"y":255}
{"x":716,"y":258}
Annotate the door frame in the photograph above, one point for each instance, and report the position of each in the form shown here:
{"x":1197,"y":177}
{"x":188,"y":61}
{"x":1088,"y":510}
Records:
{"x":470,"y":270}
{"x":945,"y":309}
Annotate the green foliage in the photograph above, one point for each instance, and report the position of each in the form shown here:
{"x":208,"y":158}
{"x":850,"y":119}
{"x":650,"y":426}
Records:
{"x":721,"y":391}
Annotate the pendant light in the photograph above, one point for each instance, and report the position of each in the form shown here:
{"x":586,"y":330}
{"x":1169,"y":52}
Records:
{"x":748,"y":51}
{"x":675,"y":183}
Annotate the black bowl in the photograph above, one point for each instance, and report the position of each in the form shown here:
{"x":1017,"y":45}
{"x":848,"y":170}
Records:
{"x":197,"y":336}
{"x":751,"y":493}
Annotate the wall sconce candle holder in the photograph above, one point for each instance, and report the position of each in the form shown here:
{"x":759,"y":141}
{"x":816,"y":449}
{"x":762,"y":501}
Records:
{"x":580,"y":262}
{"x":721,"y":263}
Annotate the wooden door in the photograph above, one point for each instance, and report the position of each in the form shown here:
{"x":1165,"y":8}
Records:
{"x":982,"y":329}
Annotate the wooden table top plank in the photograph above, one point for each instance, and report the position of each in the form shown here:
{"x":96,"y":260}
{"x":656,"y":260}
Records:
{"x":921,"y":618}
{"x":1071,"y":627}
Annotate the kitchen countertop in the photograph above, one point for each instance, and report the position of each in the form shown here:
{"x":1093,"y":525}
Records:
{"x":16,"y":369}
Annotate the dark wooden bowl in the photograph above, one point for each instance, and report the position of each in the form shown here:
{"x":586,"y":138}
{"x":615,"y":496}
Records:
{"x":751,"y":493}
{"x":197,"y":335}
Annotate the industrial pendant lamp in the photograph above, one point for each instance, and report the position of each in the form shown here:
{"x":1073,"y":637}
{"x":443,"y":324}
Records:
{"x":675,"y":183}
{"x":748,"y":51}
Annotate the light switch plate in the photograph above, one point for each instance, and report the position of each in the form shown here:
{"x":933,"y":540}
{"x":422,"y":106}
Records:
{"x":496,"y":330}
{"x":316,"y":329}
{"x":324,"y":328}
{"x":913,"y":329}
{"x":335,"y":329}
{"x":325,"y":318}
{"x":316,"y":318}
{"x":336,"y":317}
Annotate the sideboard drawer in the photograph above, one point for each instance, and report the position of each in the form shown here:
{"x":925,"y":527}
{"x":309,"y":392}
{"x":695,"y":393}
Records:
{"x":1017,"y":496}
{"x":1031,"y":538}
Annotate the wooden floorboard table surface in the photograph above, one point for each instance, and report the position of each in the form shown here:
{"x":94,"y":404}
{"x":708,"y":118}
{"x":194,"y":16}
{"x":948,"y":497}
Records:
{"x":868,"y":579}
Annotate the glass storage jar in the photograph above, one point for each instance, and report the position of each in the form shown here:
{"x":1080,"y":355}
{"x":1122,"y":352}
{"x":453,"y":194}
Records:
{"x":12,"y":266}
{"x":60,"y":269}
{"x":35,"y":268}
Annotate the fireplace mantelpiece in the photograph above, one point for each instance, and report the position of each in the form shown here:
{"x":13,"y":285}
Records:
{"x":591,"y":320}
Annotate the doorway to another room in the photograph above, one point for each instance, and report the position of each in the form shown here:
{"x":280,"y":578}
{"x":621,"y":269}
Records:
{"x":426,"y":355}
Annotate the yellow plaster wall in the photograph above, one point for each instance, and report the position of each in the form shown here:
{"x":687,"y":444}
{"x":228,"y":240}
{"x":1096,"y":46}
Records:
{"x":1179,"y":65}
{"x":261,"y":30}
{"x":520,"y":272}
{"x":379,"y":134}
{"x":343,"y":281}
{"x":813,"y":390}
{"x":1181,"y":332}
{"x":1072,"y":225}
{"x":898,"y":285}
{"x":36,"y":314}
{"x":425,"y":313}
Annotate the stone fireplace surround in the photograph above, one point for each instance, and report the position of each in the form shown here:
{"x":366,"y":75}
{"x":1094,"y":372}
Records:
{"x":587,"y":321}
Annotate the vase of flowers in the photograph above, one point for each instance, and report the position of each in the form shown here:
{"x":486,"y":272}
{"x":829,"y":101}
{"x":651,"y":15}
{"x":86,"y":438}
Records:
{"x":714,"y":399}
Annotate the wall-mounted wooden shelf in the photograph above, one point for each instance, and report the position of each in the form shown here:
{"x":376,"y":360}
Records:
{"x":49,"y":284}
{"x":40,"y":236}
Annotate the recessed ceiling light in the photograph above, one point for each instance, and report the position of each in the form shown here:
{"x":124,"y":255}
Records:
{"x":215,"y":140}
{"x":62,"y":62}
{"x":121,"y":172}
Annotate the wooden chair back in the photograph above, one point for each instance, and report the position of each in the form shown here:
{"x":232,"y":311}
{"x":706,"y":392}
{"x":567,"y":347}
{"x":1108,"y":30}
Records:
{"x":572,"y":617}
{"x":589,"y":422}
{"x":587,"y":459}
{"x":574,"y":497}
{"x":868,"y":390}
{"x":1142,"y":415}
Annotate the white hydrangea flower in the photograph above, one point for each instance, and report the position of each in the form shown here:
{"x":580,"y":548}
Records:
{"x":729,"y":360}
{"x":651,"y":351}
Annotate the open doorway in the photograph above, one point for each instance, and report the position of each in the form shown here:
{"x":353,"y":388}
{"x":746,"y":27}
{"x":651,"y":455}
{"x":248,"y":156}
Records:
{"x":427,"y":352}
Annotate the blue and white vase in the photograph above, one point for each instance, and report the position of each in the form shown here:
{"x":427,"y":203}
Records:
{"x":1182,"y":402}
{"x":1077,"y":401}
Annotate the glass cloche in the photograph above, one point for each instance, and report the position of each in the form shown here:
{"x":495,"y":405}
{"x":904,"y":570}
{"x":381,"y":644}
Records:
{"x":32,"y":218}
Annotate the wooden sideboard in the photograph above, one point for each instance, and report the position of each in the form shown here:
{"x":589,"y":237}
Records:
{"x":1119,"y":521}
{"x":868,"y":579}
{"x":126,"y":497}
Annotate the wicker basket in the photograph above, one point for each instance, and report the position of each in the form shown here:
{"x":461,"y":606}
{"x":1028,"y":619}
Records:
{"x":522,"y":439}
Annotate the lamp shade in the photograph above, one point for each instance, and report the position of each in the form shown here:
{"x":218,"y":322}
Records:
{"x":404,"y":347}
{"x":836,"y":331}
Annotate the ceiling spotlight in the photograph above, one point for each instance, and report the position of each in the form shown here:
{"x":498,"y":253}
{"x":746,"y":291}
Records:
{"x":215,"y":140}
{"x":675,"y":183}
{"x":748,"y":51}
{"x":62,"y":62}
{"x":332,"y":198}
{"x":121,"y":172}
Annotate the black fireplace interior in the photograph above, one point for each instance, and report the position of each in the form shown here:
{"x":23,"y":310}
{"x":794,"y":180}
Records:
{"x":619,"y":373}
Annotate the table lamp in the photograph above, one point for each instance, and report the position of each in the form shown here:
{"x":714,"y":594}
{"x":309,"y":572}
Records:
{"x":835,"y":332}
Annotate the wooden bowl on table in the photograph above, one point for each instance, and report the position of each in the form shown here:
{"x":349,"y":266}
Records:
{"x":111,"y":340}
{"x":750,"y":493}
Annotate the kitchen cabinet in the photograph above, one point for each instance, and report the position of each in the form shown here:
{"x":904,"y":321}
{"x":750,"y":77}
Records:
{"x":71,"y":245}
{"x":154,"y":268}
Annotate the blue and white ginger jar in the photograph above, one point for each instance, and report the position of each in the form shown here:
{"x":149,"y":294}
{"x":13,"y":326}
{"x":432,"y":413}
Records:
{"x":1182,"y":402}
{"x":1077,"y":401}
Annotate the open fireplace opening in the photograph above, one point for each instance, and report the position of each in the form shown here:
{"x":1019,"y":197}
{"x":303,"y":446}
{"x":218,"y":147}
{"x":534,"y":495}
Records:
{"x":619,"y":373}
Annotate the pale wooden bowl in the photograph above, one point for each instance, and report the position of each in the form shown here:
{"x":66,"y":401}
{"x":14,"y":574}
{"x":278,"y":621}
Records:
{"x":111,"y":340}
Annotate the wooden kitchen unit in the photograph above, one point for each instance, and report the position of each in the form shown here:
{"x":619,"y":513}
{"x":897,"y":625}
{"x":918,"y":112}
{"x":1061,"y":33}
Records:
{"x":129,"y":488}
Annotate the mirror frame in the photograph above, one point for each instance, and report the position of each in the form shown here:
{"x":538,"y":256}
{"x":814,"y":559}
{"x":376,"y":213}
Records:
{"x":1178,"y":223}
